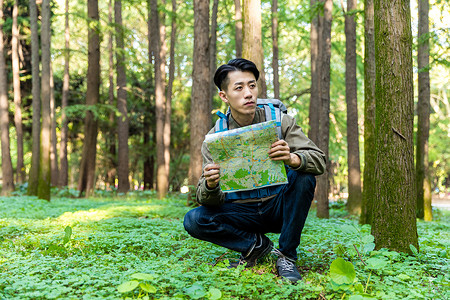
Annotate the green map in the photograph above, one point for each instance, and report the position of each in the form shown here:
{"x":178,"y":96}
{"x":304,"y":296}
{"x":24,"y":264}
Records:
{"x":243,"y":159}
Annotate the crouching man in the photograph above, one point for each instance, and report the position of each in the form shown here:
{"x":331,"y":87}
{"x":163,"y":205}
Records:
{"x":240,"y":220}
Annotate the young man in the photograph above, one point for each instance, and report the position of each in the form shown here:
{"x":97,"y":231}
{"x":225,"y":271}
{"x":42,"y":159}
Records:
{"x":239,"y":220}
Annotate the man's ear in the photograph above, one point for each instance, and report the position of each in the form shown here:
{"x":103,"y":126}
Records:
{"x":223,"y":96}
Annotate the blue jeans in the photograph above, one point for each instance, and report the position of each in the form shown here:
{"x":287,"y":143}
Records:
{"x":234,"y":225}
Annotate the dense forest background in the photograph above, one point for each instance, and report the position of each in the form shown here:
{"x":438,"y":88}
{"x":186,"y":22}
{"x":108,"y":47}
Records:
{"x":129,"y":44}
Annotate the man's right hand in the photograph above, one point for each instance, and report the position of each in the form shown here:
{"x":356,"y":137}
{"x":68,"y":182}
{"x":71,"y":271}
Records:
{"x":211,"y":172}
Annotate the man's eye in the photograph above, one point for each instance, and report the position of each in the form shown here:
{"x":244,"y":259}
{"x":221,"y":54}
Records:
{"x":252,"y":85}
{"x":238,"y":88}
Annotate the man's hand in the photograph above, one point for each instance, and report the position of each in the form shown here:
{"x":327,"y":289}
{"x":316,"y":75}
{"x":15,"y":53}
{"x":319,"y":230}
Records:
{"x":212,"y":175}
{"x":280,"y":151}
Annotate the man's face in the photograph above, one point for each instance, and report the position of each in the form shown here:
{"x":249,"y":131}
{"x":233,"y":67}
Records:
{"x":240,"y":94}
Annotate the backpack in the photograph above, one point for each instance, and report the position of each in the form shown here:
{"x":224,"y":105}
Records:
{"x":273,"y":109}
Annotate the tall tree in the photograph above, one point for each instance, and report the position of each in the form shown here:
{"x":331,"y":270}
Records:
{"x":316,"y":66}
{"x":162,"y":178}
{"x":7,"y":169}
{"x":122,"y":120}
{"x":213,"y":47}
{"x":369,"y":114}
{"x":275,"y":51}
{"x":394,"y":218}
{"x":354,"y":167}
{"x":200,"y":115}
{"x":86,"y":180}
{"x":54,"y":139}
{"x":64,"y":171}
{"x":149,"y":120}
{"x":111,"y":134}
{"x":238,"y":27}
{"x":33,"y":179}
{"x":423,"y":112}
{"x":252,"y":40}
{"x":20,"y":168}
{"x":44,"y":164}
{"x":324,"y":128}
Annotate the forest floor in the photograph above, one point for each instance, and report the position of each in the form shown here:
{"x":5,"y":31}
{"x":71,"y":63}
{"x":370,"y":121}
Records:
{"x":135,"y":246}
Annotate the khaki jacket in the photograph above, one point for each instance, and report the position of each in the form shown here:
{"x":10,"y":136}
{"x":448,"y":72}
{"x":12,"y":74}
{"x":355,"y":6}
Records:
{"x":312,"y":158}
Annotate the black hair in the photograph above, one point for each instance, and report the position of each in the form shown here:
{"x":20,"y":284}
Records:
{"x":236,"y":64}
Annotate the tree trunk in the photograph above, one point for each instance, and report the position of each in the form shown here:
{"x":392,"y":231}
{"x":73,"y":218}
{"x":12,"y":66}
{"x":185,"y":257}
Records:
{"x":7,"y":169}
{"x":86,"y":182}
{"x":111,"y":134}
{"x":423,"y":112}
{"x":323,"y":185}
{"x":54,"y":138}
{"x":370,"y":158}
{"x":44,"y":165}
{"x":20,"y":168}
{"x":64,"y":171}
{"x":316,"y":66}
{"x":162,"y":180}
{"x":168,"y":112}
{"x":252,"y":40}
{"x":149,"y":124}
{"x":275,"y":67}
{"x":238,"y":27}
{"x":200,"y":115}
{"x":394,"y":218}
{"x":122,"y":120}
{"x":213,"y":48}
{"x":33,"y":178}
{"x":354,"y":168}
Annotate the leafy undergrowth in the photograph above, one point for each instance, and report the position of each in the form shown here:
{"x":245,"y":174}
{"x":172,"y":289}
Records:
{"x":135,"y":247}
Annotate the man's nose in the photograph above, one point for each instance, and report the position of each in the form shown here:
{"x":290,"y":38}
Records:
{"x":247,"y":92}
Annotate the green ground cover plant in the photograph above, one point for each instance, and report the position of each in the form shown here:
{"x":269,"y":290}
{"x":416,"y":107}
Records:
{"x":135,"y":247}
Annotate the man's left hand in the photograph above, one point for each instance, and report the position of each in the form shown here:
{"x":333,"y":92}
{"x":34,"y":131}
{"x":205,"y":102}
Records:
{"x":280,"y":151}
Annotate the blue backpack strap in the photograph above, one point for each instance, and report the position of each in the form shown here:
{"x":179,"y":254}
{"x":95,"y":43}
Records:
{"x":221,"y":123}
{"x":272,"y":114}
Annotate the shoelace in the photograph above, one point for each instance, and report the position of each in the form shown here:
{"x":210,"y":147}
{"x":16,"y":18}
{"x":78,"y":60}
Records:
{"x":286,"y":265}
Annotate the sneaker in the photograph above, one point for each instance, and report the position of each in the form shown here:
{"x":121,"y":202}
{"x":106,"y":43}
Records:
{"x":262,"y":247}
{"x":287,"y":269}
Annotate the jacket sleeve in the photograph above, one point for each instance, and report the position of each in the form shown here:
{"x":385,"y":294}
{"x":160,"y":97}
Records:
{"x":313,"y":159}
{"x":206,"y":196}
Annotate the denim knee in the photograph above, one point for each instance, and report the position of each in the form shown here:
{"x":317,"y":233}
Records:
{"x":191,"y":221}
{"x":306,"y":180}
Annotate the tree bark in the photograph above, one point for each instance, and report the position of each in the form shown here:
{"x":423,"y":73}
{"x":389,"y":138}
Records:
{"x":168,"y":110}
{"x":252,"y":40}
{"x":316,"y":66}
{"x":200,"y":115}
{"x":275,"y":50}
{"x":423,"y":113}
{"x":213,"y":48}
{"x":20,"y":168}
{"x":44,"y":165}
{"x":54,"y":139}
{"x":111,"y":134}
{"x":324,"y":133}
{"x":7,"y":169}
{"x":238,"y":27}
{"x":33,"y":178}
{"x":370,"y":158}
{"x":122,"y":120}
{"x":86,"y":181}
{"x":354,"y":167}
{"x":162,"y":180}
{"x":394,"y":218}
{"x":64,"y":171}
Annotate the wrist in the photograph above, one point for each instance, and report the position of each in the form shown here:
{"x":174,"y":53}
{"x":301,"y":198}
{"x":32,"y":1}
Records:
{"x":294,"y":161}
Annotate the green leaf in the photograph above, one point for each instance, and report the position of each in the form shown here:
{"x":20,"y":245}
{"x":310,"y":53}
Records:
{"x":368,"y":239}
{"x":142,"y":276}
{"x":413,"y":249}
{"x":196,"y":291}
{"x":148,"y":287}
{"x":342,"y":272}
{"x":128,"y":286}
{"x":214,"y":294}
{"x":68,"y":231}
{"x":349,"y":229}
{"x":376,"y":262}
{"x":369,"y":247}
